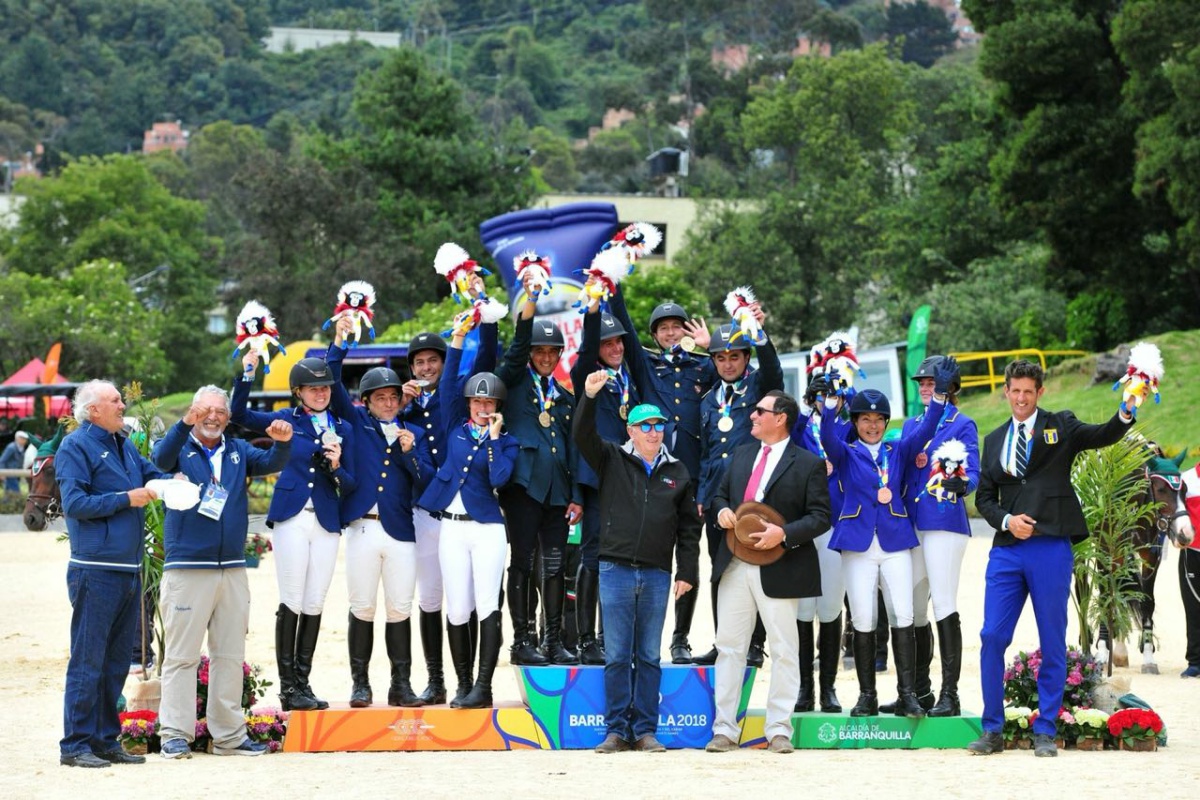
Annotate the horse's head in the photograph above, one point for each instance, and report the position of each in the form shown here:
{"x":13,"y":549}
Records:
{"x":43,"y":504}
{"x":1167,"y":494}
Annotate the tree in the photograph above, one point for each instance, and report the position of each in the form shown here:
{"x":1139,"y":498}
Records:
{"x":650,"y":285}
{"x":926,"y":30}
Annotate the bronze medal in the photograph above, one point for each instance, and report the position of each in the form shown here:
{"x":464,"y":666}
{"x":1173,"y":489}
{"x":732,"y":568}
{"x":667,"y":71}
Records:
{"x":688,"y":344}
{"x":725,"y":424}
{"x":624,"y":412}
{"x":828,"y":467}
{"x":921,"y":460}
{"x":544,"y":419}
{"x":885,"y":495}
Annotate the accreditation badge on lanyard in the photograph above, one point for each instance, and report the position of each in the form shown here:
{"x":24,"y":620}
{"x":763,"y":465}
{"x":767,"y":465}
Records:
{"x":212,"y":502}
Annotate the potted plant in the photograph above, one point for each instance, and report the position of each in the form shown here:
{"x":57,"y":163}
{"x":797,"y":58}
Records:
{"x":1065,"y":726}
{"x":1020,"y":679}
{"x":137,"y":729}
{"x":1092,"y":728}
{"x":1016,"y":727}
{"x":254,"y":687}
{"x":1135,"y":729}
{"x":257,"y":546}
{"x":267,"y":724}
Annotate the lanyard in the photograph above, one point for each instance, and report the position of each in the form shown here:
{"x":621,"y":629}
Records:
{"x":724,"y":406}
{"x":545,"y":400}
{"x":477,"y":431}
{"x":881,"y":466}
{"x":321,"y":426}
{"x":941,"y":422}
{"x":621,"y":378}
{"x":425,"y":397}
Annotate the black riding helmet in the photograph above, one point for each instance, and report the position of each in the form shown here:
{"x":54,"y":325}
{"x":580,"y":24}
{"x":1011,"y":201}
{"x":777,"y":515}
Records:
{"x":378,"y":378}
{"x":929,"y":367}
{"x":870,"y":401}
{"x":547,"y":334}
{"x":485,"y":384}
{"x":310,"y":372}
{"x":610,"y":326}
{"x":666,"y":311}
{"x":426,"y":341}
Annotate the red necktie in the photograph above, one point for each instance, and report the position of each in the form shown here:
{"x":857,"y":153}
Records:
{"x":756,"y":475}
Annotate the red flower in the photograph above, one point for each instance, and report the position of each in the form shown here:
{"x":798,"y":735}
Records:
{"x":145,"y":714}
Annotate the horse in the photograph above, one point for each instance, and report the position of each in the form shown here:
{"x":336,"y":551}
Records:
{"x":43,"y":504}
{"x":1163,"y":490}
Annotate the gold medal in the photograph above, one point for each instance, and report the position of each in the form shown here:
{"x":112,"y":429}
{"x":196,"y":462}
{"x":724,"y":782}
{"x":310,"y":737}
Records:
{"x":544,"y":419}
{"x":922,"y":460}
{"x":725,"y":424}
{"x":688,"y":344}
{"x":885,"y":495}
{"x":624,"y":412}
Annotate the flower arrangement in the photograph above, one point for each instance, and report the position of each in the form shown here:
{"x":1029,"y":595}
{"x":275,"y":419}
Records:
{"x":1092,"y":728}
{"x":1132,"y":726}
{"x":1066,"y":727}
{"x":1020,"y":679}
{"x":257,"y":545}
{"x":267,"y":724}
{"x":254,"y":686}
{"x":137,"y":729}
{"x":1017,"y":721}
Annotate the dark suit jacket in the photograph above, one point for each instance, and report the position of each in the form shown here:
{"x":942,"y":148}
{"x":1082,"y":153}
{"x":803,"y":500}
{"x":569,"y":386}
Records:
{"x":798,"y":490}
{"x":1045,"y":492}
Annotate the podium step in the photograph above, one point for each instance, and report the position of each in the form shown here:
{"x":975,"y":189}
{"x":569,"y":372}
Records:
{"x":819,"y":731}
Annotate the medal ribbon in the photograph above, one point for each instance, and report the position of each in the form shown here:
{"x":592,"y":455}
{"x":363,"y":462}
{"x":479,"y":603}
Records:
{"x":724,"y":407}
{"x":425,"y":398}
{"x":621,"y":378}
{"x":477,"y":431}
{"x":321,"y":426}
{"x":941,"y":422}
{"x":814,"y":425}
{"x":545,"y":399}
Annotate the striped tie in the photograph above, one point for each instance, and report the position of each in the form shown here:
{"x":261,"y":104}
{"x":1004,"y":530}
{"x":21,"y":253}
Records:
{"x":1022,"y":458}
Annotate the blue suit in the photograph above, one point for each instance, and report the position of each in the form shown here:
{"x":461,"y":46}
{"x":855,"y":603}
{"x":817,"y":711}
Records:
{"x":928,"y":513}
{"x":476,"y":469}
{"x":863,"y":516}
{"x":300,"y":480}
{"x":393,"y":487}
{"x":192,"y":540}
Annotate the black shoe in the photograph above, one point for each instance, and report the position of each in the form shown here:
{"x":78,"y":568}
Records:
{"x":681,"y":651}
{"x":554,"y":595}
{"x":755,"y":656}
{"x":904,"y":645}
{"x":987,"y":744}
{"x":86,"y":760}
{"x":805,"y":700}
{"x":1044,"y":746}
{"x":119,"y":756}
{"x":706,"y":659}
{"x":523,"y":652}
{"x":685,"y":610}
{"x":590,"y":653}
{"x":867,"y":705}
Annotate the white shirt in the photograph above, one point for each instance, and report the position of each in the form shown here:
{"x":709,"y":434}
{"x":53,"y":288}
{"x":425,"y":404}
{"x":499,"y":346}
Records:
{"x":1009,"y":453}
{"x":773,"y":457}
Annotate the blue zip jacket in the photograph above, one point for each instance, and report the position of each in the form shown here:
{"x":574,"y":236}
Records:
{"x":95,"y":470}
{"x":803,"y":436}
{"x":476,"y":469}
{"x":863,"y":517}
{"x":299,"y":479}
{"x":192,"y":540}
{"x":387,"y":476}
{"x":928,"y":513}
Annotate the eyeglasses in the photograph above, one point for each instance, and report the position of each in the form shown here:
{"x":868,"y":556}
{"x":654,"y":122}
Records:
{"x":760,"y":410}
{"x":646,"y":427}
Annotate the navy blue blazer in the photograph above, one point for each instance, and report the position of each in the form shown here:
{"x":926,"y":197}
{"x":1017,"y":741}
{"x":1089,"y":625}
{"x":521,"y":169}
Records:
{"x":928,"y":513}
{"x":192,"y":540}
{"x":716,"y":446}
{"x":387,"y":476}
{"x":476,"y":469}
{"x":863,"y":517}
{"x":547,"y":458}
{"x":299,"y":479}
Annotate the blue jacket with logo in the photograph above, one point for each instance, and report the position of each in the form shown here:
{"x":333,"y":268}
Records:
{"x":95,"y":470}
{"x":192,"y":540}
{"x":300,"y":480}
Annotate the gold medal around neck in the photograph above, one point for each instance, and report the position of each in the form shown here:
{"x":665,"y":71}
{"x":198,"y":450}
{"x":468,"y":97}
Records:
{"x":885,"y":495}
{"x":624,"y":412}
{"x":725,"y":424}
{"x":688,"y":344}
{"x":921,"y":460}
{"x":544,"y":419}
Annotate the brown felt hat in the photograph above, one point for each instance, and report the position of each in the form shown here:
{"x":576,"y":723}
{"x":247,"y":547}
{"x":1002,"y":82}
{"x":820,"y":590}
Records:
{"x":753,"y":518}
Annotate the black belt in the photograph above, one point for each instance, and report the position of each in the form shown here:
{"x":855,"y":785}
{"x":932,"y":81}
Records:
{"x":371,"y":516}
{"x":450,"y":516}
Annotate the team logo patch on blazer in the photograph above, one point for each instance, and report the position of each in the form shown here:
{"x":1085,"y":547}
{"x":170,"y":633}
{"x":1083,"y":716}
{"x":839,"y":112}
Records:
{"x":1050,"y":435}
{"x":668,"y":482}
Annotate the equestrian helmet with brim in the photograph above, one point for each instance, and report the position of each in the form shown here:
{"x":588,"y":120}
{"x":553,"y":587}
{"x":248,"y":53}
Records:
{"x":485,"y":384}
{"x":426,"y":341}
{"x":721,"y":341}
{"x":929,"y":367}
{"x":870,"y":401}
{"x":378,"y":378}
{"x":610,"y":327}
{"x":547,"y":334}
{"x":666,"y":311}
{"x":310,"y":372}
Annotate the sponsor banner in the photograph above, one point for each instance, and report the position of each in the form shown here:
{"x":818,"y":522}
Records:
{"x":568,"y":703}
{"x":815,"y":731}
{"x":507,"y":727}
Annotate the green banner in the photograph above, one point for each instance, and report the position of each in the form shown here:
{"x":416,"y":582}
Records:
{"x":918,"y":335}
{"x":817,"y":731}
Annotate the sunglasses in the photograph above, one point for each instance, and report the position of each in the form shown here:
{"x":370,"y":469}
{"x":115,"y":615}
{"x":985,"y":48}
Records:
{"x":762,"y":410}
{"x":646,"y":427}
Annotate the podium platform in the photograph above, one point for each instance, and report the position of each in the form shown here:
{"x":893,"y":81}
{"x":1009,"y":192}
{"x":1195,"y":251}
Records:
{"x":819,"y":731}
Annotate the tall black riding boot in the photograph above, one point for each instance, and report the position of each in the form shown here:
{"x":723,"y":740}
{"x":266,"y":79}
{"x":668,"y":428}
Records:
{"x":881,"y":633}
{"x":587,"y":593}
{"x":459,"y":638}
{"x":523,"y":652}
{"x":430,"y":625}
{"x":923,"y":659}
{"x":829,"y":644}
{"x":685,"y":609}
{"x":904,"y":644}
{"x":554,"y":595}
{"x":950,"y":649}
{"x":710,"y":658}
{"x":806,"y":701}
{"x":756,"y":654}
{"x":360,"y":639}
{"x":480,"y":695}
{"x":864,"y":665}
{"x":398,"y":636}
{"x":307,"y":630}
{"x":290,"y":698}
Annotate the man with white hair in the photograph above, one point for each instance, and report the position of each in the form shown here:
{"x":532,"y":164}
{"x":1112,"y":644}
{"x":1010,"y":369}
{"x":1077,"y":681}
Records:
{"x":204,"y":587}
{"x":13,"y":457}
{"x":102,"y":479}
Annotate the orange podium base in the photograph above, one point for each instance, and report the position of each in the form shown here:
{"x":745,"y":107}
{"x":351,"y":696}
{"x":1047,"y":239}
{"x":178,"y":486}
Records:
{"x":508,"y":726}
